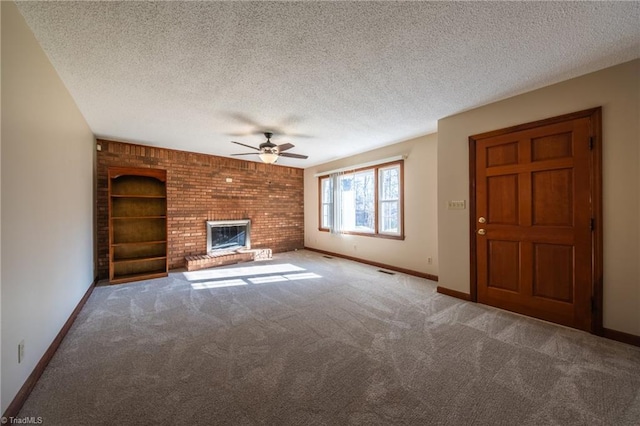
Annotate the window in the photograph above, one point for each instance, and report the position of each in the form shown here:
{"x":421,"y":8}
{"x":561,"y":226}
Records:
{"x":326,"y":212}
{"x":366,"y":201}
{"x":357,"y":201}
{"x":389,"y":200}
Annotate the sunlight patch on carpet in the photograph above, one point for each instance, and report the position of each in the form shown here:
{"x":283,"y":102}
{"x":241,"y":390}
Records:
{"x":280,"y":278}
{"x":218,"y":284}
{"x":201,"y":280}
{"x":242,"y":271}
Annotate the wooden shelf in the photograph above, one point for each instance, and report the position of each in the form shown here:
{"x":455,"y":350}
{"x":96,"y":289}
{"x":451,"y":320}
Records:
{"x":138,"y":230}
{"x":138,"y":196}
{"x":137,"y":224}
{"x":138,"y":207}
{"x":118,"y":279}
{"x":137,"y":217}
{"x":138,"y":243}
{"x":138,"y":259}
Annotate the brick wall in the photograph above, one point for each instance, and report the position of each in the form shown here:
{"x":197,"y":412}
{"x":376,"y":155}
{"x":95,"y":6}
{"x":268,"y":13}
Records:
{"x":197,"y":191}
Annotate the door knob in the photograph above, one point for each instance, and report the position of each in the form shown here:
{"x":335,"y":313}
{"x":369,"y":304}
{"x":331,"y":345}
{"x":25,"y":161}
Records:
{"x":482,"y":220}
{"x":481,"y":231}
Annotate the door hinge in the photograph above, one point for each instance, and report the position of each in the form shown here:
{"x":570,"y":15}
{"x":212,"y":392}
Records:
{"x":592,"y":224}
{"x":591,"y":143}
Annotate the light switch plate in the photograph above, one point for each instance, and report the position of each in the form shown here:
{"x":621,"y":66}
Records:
{"x":457,"y":205}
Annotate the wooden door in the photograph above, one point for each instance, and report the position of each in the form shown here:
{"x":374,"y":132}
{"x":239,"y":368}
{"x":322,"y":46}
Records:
{"x":534,"y":212}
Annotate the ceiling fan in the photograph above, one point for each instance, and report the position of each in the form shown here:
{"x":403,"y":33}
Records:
{"x":270,"y":152}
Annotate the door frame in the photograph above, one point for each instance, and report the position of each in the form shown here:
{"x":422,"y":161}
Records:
{"x":595,"y":114}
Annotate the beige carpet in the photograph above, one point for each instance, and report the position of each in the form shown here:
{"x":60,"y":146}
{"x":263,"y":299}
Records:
{"x":307,"y":340}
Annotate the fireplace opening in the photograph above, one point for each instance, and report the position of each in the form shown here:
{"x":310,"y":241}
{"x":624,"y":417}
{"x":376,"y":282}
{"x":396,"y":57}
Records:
{"x":228,"y":235}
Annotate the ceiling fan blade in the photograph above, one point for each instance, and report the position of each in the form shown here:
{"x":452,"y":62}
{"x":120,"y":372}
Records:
{"x":248,"y":153}
{"x":286,"y":154}
{"x":285,"y":146}
{"x":248,"y":146}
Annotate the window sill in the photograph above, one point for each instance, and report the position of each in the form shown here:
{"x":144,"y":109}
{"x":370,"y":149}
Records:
{"x":365,"y":234}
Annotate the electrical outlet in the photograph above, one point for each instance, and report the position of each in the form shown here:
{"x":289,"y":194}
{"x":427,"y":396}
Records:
{"x":429,"y":260}
{"x":20,"y":351}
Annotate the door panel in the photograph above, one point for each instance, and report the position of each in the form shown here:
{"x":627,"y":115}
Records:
{"x":502,"y":199}
{"x":553,"y":272}
{"x":532,"y":199}
{"x":552,"y":197}
{"x":552,"y":146}
{"x":503,"y":154}
{"x":504,"y":265}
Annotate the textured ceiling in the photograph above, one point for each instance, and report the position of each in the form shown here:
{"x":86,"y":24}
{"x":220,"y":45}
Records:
{"x":333,"y":78}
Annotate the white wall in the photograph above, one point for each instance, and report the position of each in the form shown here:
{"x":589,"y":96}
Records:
{"x":617,"y":90}
{"x":47,"y":202}
{"x":420,"y":215}
{"x":1,"y":410}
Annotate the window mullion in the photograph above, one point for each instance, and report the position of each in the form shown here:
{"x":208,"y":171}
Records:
{"x":377,"y":200}
{"x":335,"y":193}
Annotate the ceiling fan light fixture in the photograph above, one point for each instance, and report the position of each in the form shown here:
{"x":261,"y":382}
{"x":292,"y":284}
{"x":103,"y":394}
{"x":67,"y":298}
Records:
{"x":268,"y":157}
{"x":269,"y":152}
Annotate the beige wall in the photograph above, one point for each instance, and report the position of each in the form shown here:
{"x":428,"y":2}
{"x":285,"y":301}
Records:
{"x":1,"y":406}
{"x":617,"y":90}
{"x":47,"y":202}
{"x":420,"y":215}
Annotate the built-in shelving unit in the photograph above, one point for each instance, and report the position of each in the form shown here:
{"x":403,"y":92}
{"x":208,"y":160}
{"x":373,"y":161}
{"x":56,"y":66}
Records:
{"x":137,"y":224}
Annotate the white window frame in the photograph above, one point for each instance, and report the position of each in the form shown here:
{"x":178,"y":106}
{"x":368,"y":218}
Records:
{"x":378,"y":203}
{"x":328,"y":204}
{"x":397,"y":200}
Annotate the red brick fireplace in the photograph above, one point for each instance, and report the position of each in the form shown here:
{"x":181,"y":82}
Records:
{"x":203,"y":188}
